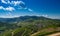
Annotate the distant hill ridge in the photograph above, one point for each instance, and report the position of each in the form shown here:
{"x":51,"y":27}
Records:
{"x":22,"y":18}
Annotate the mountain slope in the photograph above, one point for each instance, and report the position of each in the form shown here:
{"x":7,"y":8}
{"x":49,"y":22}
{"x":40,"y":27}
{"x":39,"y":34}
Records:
{"x":28,"y":25}
{"x":21,"y":18}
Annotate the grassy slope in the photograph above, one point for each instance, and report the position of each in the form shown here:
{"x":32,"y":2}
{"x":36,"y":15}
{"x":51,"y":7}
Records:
{"x":32,"y":27}
{"x":47,"y":31}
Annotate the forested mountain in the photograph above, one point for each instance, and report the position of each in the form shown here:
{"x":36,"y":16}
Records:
{"x":28,"y":26}
{"x":21,"y":18}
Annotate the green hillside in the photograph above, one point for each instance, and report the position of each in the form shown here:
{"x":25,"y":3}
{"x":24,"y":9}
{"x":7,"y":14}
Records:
{"x":30,"y":26}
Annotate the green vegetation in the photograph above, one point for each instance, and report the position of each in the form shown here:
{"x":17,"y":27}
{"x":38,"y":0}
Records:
{"x":30,"y":26}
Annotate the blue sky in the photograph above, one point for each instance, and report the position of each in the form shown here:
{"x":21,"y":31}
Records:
{"x":16,"y":8}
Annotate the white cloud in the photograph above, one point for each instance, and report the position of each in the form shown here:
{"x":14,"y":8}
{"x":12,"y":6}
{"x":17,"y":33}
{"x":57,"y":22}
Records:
{"x":9,"y":16}
{"x":14,"y":3}
{"x":7,"y":9}
{"x":3,"y":1}
{"x":45,"y":15}
{"x":1,"y":7}
{"x":20,"y":7}
{"x":17,"y":2}
{"x":30,"y":10}
{"x":25,"y":8}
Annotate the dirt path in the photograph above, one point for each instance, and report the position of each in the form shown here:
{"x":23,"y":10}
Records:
{"x":56,"y":34}
{"x":48,"y":30}
{"x":35,"y":33}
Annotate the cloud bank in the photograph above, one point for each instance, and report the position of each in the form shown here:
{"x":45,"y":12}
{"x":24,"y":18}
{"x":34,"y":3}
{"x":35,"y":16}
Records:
{"x":7,"y":9}
{"x":14,"y":3}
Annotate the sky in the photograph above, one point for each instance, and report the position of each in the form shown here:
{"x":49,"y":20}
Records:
{"x":16,"y":8}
